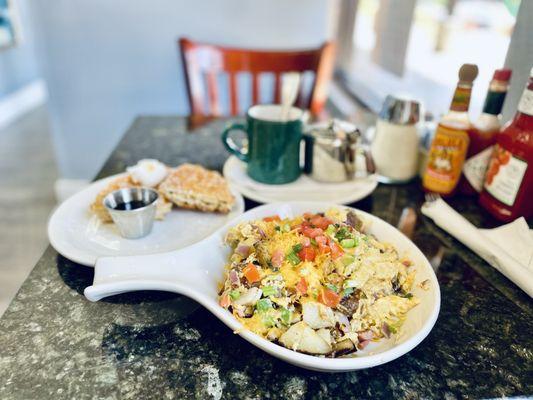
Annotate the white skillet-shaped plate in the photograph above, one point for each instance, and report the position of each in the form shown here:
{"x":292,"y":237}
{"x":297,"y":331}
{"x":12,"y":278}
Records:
{"x":196,"y":271}
{"x":80,"y":236}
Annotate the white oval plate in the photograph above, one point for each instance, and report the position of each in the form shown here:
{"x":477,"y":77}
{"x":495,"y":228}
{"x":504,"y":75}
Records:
{"x":303,"y":189}
{"x":80,"y":236}
{"x":198,"y":270}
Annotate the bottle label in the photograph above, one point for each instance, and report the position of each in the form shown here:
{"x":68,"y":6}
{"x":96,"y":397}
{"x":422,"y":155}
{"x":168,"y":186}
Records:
{"x":476,"y":166}
{"x":504,"y":176}
{"x":445,"y":160}
{"x":461,"y":99}
{"x":526,"y":102}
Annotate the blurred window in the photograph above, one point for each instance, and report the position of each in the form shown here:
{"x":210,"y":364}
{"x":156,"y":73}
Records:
{"x":416,"y":47}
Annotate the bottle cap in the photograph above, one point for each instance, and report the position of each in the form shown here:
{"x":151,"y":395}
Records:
{"x":468,"y":73}
{"x":502,"y":75}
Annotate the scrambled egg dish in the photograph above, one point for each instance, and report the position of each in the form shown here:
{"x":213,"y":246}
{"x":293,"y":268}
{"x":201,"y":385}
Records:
{"x":316,"y":283}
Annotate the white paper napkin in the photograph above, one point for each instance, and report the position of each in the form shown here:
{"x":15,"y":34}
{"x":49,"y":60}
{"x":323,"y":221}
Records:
{"x":508,"y":248}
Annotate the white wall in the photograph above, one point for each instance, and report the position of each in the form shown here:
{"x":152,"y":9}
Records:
{"x":106,"y":61}
{"x":18,"y":65}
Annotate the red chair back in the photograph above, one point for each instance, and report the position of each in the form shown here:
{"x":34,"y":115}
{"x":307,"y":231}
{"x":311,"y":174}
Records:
{"x":202,"y":63}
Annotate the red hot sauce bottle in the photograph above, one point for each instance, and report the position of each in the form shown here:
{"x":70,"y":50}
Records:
{"x":508,"y":188}
{"x":483,"y":134}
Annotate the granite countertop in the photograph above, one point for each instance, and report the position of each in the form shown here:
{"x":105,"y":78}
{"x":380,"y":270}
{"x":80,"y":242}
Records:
{"x":54,"y":344}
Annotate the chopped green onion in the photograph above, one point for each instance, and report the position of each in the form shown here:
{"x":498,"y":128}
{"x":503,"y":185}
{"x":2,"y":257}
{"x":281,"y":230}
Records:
{"x":269,"y":321}
{"x":347,"y":259}
{"x":342,"y":233}
{"x":297,"y":247}
{"x":293,"y":258}
{"x":348,"y":243}
{"x":286,"y":316}
{"x":234,"y":294}
{"x":277,"y":228}
{"x":330,"y":230}
{"x":313,"y":242}
{"x":392,"y":328}
{"x":286,"y":228}
{"x":333,"y":287}
{"x":408,"y":296}
{"x":269,"y":291}
{"x":348,"y":291}
{"x":263,"y":305}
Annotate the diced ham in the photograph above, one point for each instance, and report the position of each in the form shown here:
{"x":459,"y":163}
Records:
{"x":305,"y":241}
{"x":277,"y":258}
{"x":364,"y":336}
{"x":234,"y":278}
{"x":243,"y":250}
{"x":363,"y":344}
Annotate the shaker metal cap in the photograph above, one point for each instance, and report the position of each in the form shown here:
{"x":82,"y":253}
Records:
{"x":400,"y":111}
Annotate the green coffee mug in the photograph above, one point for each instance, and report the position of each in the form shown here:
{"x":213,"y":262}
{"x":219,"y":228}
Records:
{"x":273,"y":154}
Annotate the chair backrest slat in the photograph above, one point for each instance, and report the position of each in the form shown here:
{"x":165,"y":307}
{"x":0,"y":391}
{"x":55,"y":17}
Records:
{"x":208,"y":60}
{"x":212,"y":90}
{"x":255,"y":88}
{"x":277,"y":88}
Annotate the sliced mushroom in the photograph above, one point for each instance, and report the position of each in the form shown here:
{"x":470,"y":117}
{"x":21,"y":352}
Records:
{"x":350,"y":304}
{"x":345,"y":346}
{"x":354,"y":221}
{"x":300,"y":337}
{"x":317,"y":315}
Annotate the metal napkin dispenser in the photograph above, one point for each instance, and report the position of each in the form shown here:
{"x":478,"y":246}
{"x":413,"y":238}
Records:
{"x":335,"y":153}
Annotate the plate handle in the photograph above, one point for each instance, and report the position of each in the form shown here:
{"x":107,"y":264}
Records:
{"x":184,"y":271}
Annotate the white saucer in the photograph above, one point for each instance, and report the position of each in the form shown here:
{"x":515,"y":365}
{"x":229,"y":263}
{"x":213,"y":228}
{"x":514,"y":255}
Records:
{"x":303,"y":189}
{"x":80,"y":236}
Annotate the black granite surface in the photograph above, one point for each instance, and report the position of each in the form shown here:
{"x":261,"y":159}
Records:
{"x":54,"y":344}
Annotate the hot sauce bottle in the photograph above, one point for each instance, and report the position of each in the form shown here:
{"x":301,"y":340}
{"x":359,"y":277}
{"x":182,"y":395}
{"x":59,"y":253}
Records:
{"x":508,"y":188}
{"x":483,"y":134}
{"x":450,"y":144}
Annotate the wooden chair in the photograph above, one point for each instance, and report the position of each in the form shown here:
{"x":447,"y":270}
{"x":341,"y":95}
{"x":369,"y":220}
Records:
{"x":202,"y":63}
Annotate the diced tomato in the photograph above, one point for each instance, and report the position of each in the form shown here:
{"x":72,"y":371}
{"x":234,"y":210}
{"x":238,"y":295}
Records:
{"x":336,"y":250}
{"x":251,"y":273}
{"x":307,"y":254}
{"x":225,"y":301}
{"x":312,"y":232}
{"x":305,"y":241}
{"x":302,"y":286}
{"x":329,"y":298}
{"x":303,"y":225}
{"x":322,"y":240}
{"x":272,"y":218}
{"x":321,"y":222}
{"x":277,"y":258}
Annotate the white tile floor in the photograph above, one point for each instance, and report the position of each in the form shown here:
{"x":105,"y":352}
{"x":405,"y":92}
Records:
{"x":27,"y":176}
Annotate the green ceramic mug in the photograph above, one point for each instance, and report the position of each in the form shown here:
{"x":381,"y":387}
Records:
{"x":273,"y":154}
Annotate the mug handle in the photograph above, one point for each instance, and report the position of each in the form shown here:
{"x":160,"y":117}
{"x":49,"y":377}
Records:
{"x":309,"y":142}
{"x":230,"y":144}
